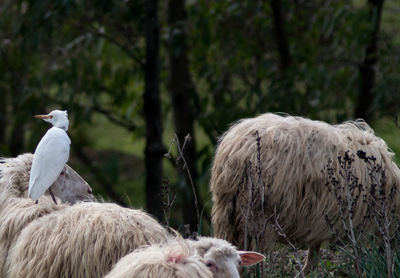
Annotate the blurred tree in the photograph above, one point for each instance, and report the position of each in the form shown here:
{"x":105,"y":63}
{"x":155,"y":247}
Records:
{"x":19,"y":83}
{"x":321,"y":50}
{"x":227,"y":60}
{"x":182,"y":91}
{"x":75,"y":46}
{"x":364,"y":105}
{"x":152,"y":109}
{"x":280,"y":34}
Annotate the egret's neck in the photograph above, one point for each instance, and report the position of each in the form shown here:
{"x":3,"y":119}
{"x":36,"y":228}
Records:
{"x":63,"y":124}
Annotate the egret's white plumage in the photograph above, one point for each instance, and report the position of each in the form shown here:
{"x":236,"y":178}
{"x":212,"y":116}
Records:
{"x":50,"y":155}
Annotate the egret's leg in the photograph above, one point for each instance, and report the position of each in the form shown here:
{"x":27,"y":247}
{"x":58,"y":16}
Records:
{"x":52,"y":196}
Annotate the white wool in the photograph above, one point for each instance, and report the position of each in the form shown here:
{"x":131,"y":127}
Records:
{"x":81,"y":241}
{"x":175,"y":259}
{"x":293,"y":158}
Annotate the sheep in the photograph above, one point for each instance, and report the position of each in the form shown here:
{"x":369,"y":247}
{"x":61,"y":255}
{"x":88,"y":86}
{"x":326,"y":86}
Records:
{"x":15,"y":214}
{"x":17,"y":211}
{"x":175,"y":259}
{"x":19,"y":216}
{"x":285,"y":160}
{"x":221,"y":258}
{"x":83,"y":240}
{"x":87,"y":239}
{"x":14,"y":181}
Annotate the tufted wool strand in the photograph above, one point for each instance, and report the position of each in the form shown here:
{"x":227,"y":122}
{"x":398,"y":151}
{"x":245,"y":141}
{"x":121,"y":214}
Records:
{"x":14,"y":175}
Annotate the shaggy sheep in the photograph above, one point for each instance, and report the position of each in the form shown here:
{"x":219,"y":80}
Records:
{"x":17,"y":211}
{"x":175,"y":259}
{"x":14,"y":181}
{"x":281,"y":162}
{"x":84,"y":240}
{"x":80,"y":231}
{"x":182,"y":258}
{"x":15,"y":214}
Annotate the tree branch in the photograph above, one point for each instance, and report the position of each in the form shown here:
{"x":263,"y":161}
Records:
{"x":116,"y":120}
{"x":114,"y":41}
{"x":98,"y":175}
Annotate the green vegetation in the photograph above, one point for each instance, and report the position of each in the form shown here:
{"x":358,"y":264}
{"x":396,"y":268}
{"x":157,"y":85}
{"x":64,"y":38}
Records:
{"x":385,"y":128}
{"x":220,"y":61}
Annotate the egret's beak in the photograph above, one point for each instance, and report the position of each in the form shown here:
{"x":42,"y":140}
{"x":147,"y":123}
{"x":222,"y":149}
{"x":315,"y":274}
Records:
{"x":43,"y":117}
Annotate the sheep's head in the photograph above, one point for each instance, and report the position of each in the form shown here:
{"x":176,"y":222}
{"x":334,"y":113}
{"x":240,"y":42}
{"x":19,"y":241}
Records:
{"x":71,"y":187}
{"x":14,"y":179}
{"x":222,"y":258}
{"x":174,"y":258}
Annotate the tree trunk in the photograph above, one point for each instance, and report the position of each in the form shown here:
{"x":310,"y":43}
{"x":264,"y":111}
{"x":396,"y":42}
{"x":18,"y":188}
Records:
{"x":3,"y":122}
{"x":367,"y":68}
{"x":280,"y":35}
{"x":181,"y":89}
{"x":16,"y":139}
{"x":152,"y":111}
{"x":286,"y":98}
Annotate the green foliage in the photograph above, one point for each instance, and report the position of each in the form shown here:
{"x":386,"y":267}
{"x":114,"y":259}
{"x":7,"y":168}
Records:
{"x":89,"y":57}
{"x":242,"y":70}
{"x":385,"y":128}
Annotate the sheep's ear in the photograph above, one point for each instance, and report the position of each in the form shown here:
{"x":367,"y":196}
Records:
{"x":175,"y":256}
{"x":250,"y":258}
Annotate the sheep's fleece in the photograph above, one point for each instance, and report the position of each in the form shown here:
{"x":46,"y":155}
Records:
{"x":281,"y":163}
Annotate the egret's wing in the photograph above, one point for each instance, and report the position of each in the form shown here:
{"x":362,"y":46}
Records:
{"x":49,"y":159}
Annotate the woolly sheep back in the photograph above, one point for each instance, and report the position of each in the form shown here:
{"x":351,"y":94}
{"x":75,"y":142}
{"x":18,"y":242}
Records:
{"x":83,"y":240}
{"x":14,"y":175}
{"x":15,"y":215}
{"x":16,"y":210}
{"x":294,"y":153}
{"x":176,"y":259}
{"x":69,"y":187}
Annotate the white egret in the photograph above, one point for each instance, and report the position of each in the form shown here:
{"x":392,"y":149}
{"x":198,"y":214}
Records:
{"x":50,"y":155}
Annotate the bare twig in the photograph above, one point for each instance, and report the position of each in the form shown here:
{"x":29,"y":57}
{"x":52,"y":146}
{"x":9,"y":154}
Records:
{"x":185,"y":167}
{"x":110,"y":115}
{"x":281,"y":233}
{"x":380,"y":206}
{"x":168,"y":198}
{"x":180,"y":156}
{"x":111,"y":39}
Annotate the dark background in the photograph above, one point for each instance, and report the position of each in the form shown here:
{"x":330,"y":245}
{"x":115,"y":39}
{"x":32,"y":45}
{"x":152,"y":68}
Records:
{"x":137,"y":76}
